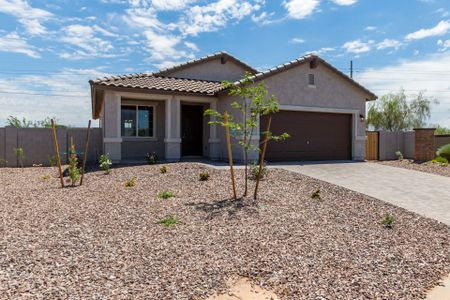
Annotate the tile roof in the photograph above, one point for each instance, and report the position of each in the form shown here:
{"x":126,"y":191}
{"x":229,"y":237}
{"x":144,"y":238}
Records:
{"x":158,"y":83}
{"x":203,"y":59}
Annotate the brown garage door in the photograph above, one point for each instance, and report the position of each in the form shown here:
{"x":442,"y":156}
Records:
{"x":314,"y":136}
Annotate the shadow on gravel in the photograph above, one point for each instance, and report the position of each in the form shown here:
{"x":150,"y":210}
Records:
{"x":226,"y":208}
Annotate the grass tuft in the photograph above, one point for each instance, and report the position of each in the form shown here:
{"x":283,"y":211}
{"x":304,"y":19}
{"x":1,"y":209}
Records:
{"x":169,"y":221}
{"x":166,"y":195}
{"x":130,"y":182}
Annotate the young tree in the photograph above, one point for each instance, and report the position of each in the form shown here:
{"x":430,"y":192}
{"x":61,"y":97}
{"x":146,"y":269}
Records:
{"x":393,"y":112}
{"x":253,"y":103}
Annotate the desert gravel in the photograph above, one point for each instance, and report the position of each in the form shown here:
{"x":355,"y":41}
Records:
{"x":101,"y":240}
{"x":427,"y":167}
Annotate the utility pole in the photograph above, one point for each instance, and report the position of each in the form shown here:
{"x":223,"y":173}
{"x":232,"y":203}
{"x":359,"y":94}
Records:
{"x":351,"y":69}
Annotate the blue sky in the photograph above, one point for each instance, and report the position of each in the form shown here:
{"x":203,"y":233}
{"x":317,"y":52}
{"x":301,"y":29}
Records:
{"x":50,"y":49}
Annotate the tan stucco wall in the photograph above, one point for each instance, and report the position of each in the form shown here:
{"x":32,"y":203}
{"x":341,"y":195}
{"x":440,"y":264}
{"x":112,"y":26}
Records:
{"x":211,"y":70}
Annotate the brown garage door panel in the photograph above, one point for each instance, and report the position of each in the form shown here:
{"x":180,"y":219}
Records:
{"x":314,"y":136}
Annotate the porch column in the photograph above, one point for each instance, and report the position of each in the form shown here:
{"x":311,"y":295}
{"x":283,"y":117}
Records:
{"x":214,"y":141}
{"x":173,"y":137}
{"x":111,"y":121}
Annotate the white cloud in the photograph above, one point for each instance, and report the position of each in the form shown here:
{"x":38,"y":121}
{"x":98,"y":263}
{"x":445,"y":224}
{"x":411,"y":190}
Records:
{"x":429,"y":74}
{"x":215,"y":15}
{"x":171,"y":4}
{"x":12,"y":42}
{"x":443,"y":45}
{"x":389,"y":43}
{"x":264,"y":18}
{"x":443,"y":12}
{"x":84,"y":38}
{"x":300,"y":9}
{"x":191,"y":46}
{"x":370,"y":28}
{"x":30,"y":17}
{"x":440,"y":29}
{"x":345,"y":2}
{"x":296,"y":40}
{"x":357,"y":46}
{"x":321,"y":51}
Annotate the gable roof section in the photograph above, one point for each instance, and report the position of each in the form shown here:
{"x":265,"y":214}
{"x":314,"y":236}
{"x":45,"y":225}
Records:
{"x":148,"y":82}
{"x":157,"y":83}
{"x":308,"y":59}
{"x":197,"y":61}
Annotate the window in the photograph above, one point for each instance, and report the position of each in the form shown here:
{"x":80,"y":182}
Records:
{"x":311,"y":80}
{"x":137,"y":121}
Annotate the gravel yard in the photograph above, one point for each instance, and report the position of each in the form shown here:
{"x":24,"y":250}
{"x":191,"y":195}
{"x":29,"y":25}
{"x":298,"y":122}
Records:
{"x":102,"y":240}
{"x":427,"y":167}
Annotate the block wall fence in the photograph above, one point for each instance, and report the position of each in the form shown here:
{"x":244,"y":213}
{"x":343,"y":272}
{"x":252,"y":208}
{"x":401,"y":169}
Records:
{"x":37,"y":144}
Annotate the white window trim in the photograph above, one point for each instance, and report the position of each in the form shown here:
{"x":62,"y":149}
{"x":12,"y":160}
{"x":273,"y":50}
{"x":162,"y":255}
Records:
{"x":136,"y":137}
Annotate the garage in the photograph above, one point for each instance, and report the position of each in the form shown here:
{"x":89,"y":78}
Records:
{"x":314,"y":136}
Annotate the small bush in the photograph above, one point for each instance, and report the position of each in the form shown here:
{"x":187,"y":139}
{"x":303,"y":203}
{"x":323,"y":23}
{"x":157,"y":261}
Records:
{"x":254,"y":170}
{"x":105,"y":163}
{"x":20,"y":153}
{"x":52,"y":161}
{"x":45,"y":177}
{"x":204,"y":176}
{"x":444,"y":151}
{"x":74,"y":171}
{"x":3,"y":162}
{"x":151,"y":158}
{"x":166,"y":195}
{"x":316,"y":195}
{"x":399,"y":155}
{"x":163,"y":170}
{"x":169,"y":221}
{"x":440,"y":160}
{"x":388,"y":220}
{"x":130,"y":182}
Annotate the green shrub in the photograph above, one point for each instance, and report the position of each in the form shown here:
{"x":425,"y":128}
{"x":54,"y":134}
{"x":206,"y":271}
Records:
{"x":130,"y":182}
{"x":316,"y":195}
{"x":204,"y":176}
{"x":254,"y":170}
{"x":440,"y":160}
{"x":3,"y":162}
{"x":163,"y":170}
{"x":388,"y":220}
{"x":105,"y":163}
{"x":169,"y":221}
{"x":444,"y":151}
{"x":74,"y":171}
{"x":399,"y":155}
{"x":20,"y":155}
{"x":166,"y":195}
{"x":52,"y":161}
{"x":151,"y":158}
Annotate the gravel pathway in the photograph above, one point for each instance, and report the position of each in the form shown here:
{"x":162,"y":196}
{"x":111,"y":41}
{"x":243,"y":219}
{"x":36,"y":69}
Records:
{"x":101,"y":240}
{"x":427,"y":167}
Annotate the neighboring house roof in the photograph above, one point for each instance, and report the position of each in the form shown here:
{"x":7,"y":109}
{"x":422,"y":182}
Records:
{"x":157,"y":83}
{"x":307,"y":59}
{"x":222,"y":55}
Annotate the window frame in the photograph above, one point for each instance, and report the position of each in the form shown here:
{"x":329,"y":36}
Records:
{"x":153,"y":136}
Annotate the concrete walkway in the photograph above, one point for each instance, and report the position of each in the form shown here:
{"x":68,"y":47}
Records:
{"x":423,"y":193}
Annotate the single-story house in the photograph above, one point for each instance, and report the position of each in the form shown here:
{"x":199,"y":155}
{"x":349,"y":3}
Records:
{"x":320,"y":107}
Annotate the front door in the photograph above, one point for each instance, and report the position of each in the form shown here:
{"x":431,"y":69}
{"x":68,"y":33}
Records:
{"x":191,"y":130}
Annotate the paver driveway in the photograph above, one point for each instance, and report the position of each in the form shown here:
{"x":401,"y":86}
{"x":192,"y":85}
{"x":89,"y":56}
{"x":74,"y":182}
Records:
{"x":423,"y":193}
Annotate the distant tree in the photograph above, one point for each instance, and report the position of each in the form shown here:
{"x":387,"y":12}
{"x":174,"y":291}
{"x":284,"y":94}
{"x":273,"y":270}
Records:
{"x":441,"y":130}
{"x":24,"y":123}
{"x":393,"y":112}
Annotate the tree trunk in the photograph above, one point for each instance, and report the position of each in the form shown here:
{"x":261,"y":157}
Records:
{"x":261,"y":159}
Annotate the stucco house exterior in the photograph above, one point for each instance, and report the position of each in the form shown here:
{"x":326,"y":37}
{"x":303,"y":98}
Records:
{"x":321,"y":108}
